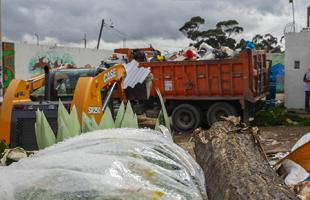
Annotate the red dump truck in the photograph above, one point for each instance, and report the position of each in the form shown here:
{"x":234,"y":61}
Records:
{"x":198,"y":93}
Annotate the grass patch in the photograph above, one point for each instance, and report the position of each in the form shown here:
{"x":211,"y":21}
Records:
{"x":277,"y":116}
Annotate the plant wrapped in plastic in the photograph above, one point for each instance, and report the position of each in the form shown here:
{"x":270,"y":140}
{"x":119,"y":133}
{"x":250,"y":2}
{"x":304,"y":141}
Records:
{"x":106,"y":164}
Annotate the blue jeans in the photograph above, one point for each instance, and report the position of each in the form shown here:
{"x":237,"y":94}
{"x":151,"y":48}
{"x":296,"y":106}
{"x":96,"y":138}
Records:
{"x":307,"y":99}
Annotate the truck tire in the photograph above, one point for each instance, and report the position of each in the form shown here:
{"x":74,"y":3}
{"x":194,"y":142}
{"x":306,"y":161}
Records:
{"x":186,"y":118}
{"x":218,"y":110}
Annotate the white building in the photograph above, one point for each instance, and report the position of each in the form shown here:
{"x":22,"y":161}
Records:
{"x":297,"y":61}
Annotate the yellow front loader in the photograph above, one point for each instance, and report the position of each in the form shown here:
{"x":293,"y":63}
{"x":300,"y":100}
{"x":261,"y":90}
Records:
{"x":88,"y":89}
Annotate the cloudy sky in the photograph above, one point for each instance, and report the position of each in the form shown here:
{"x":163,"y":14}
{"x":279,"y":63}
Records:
{"x":141,"y":22}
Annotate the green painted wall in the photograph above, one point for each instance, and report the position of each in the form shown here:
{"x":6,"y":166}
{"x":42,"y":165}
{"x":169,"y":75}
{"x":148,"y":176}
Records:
{"x":8,"y":63}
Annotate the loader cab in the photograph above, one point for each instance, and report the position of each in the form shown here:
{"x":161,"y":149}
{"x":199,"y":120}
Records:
{"x":63,"y":82}
{"x":60,"y":84}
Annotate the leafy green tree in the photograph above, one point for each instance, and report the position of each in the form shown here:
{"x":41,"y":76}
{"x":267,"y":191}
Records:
{"x":221,"y":35}
{"x":230,"y":27}
{"x":191,"y":27}
{"x":241,"y":44}
{"x":267,"y":42}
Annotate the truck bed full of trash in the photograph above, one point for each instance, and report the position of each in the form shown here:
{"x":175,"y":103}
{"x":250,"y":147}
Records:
{"x":106,"y":164}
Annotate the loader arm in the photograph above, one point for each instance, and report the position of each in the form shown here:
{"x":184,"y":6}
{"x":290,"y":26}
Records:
{"x":87,"y":95}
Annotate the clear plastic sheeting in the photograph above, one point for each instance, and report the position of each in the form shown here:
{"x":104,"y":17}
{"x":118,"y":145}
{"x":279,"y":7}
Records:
{"x":106,"y":164}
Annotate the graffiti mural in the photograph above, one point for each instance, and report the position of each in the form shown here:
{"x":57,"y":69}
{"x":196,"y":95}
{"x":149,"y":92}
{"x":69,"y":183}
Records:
{"x":277,"y":69}
{"x":53,"y":59}
{"x":8,"y":63}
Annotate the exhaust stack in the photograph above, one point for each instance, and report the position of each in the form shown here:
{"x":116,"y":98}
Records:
{"x":47,"y":94}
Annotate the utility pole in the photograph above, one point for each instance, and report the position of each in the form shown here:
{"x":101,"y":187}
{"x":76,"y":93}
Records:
{"x":85,"y":41}
{"x":293,"y":10}
{"x":38,"y":38}
{"x":1,"y":55}
{"x":103,"y":24}
{"x":124,"y":43}
{"x":308,"y":17}
{"x":100,"y":33}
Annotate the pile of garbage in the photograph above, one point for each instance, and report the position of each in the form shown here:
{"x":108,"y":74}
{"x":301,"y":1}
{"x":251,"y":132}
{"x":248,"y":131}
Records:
{"x":204,"y":52}
{"x":106,"y":164}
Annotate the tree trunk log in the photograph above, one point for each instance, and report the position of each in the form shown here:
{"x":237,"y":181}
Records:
{"x":235,"y":165}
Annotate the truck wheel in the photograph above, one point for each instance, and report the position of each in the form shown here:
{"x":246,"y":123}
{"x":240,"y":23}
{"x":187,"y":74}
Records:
{"x":218,"y":110}
{"x":186,"y":118}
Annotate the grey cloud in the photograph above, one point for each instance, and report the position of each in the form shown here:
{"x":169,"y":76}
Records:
{"x":67,"y":20}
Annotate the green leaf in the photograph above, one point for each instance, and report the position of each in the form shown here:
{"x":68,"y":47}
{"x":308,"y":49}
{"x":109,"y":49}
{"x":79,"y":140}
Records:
{"x":74,"y":123}
{"x":94,"y":124}
{"x":107,"y":121}
{"x":135,"y":123}
{"x":44,"y":134}
{"x":88,"y":124}
{"x":38,"y":118}
{"x":164,"y":111}
{"x":159,"y":121}
{"x":128,"y":121}
{"x":63,"y":131}
{"x":68,"y":124}
{"x":62,"y":112}
{"x":120,"y":115}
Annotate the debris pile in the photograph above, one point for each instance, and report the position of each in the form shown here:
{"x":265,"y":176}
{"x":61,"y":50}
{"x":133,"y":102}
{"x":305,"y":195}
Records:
{"x":204,"y":52}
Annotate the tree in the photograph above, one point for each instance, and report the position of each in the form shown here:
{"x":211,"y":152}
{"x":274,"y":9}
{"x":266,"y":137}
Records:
{"x":221,"y":35}
{"x":267,"y":42}
{"x":191,"y":28}
{"x":230,"y":27}
{"x":241,"y":44}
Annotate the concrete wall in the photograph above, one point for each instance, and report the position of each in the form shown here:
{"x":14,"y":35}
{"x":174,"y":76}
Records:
{"x":30,"y":59}
{"x":297,"y":50}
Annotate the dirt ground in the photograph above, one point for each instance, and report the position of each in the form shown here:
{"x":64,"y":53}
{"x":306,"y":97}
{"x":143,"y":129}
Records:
{"x":281,"y":138}
{"x":274,"y":139}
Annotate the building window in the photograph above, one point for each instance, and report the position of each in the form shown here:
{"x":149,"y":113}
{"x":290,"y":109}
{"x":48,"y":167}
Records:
{"x":297,"y":64}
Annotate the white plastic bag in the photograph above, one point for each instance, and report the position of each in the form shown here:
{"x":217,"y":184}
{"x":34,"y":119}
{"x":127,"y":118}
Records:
{"x":206,"y":47}
{"x":296,"y":173}
{"x":303,"y":140}
{"x":229,"y":51}
{"x":106,"y":164}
